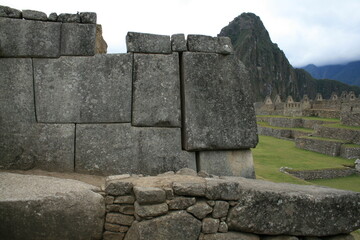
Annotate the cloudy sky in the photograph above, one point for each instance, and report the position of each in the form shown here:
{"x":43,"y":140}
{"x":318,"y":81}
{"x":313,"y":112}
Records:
{"x":308,"y":31}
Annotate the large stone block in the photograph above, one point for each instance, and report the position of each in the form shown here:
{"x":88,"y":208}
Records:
{"x":156,"y":83}
{"x":297,"y":210}
{"x":119,"y":148}
{"x":84,"y":89}
{"x":78,"y":39}
{"x":227,"y":163}
{"x":16,"y":91}
{"x":39,"y":207}
{"x":41,"y":146}
{"x":176,"y":225}
{"x":9,"y":12}
{"x":147,"y":43}
{"x":27,"y":38}
{"x":202,"y":43}
{"x":218,"y":113}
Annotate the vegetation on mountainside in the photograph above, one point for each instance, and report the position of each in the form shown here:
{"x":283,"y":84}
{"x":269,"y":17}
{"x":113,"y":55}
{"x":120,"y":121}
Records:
{"x":269,"y":70}
{"x":271,"y":154}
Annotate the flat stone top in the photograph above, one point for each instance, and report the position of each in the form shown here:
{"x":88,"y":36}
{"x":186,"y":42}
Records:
{"x":15,"y":187}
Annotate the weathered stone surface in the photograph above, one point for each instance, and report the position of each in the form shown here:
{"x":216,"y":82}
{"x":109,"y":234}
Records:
{"x":178,"y":43}
{"x":42,"y":146}
{"x":177,"y":225}
{"x":208,"y":44}
{"x":288,"y":209}
{"x":115,"y":227}
{"x":127,"y":209}
{"x":200,"y":209}
{"x":210,"y":225}
{"x":78,"y":39}
{"x":223,"y":227}
{"x":84,"y":89}
{"x":231,"y":236}
{"x":69,"y":18}
{"x":116,"y":188}
{"x":153,"y":210}
{"x":37,"y":39}
{"x":156,"y":97}
{"x":42,"y":207}
{"x":187,"y":171}
{"x":88,"y":17}
{"x":124,"y":199}
{"x":169,"y":192}
{"x":221,"y":209}
{"x":181,"y":203}
{"x":282,"y":237}
{"x":113,"y":235}
{"x":350,"y":151}
{"x":120,"y":148}
{"x":213,"y":94}
{"x":34,"y":15}
{"x":340,"y":237}
{"x":100,"y":44}
{"x":227,"y":163}
{"x":147,"y":43}
{"x":9,"y":12}
{"x":222,"y":189}
{"x":148,"y":195}
{"x":53,"y":17}
{"x":119,"y":218}
{"x":190,"y":188}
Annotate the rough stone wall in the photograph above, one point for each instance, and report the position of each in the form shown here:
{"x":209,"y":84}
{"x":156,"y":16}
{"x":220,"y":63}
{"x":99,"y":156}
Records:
{"x":350,"y":152}
{"x":322,"y":173}
{"x":346,"y":134}
{"x":331,"y":148}
{"x":151,"y":110}
{"x":187,"y":206}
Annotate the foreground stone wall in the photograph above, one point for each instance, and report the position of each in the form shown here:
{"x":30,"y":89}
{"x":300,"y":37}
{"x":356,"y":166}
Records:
{"x":186,"y":206}
{"x":148,"y":111}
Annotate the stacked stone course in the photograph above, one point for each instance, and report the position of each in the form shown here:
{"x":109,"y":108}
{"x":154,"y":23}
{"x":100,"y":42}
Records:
{"x":147,"y":111}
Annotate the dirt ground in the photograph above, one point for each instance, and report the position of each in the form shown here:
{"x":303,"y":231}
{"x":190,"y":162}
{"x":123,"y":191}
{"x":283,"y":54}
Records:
{"x":95,"y":180}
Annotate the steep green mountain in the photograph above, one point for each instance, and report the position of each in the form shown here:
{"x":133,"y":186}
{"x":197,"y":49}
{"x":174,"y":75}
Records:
{"x":269,"y":69}
{"x":348,"y":73}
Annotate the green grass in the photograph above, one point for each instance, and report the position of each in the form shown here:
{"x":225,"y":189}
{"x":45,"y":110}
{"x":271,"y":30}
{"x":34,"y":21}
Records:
{"x":338,"y":125}
{"x":347,"y":183}
{"x":272,"y":153}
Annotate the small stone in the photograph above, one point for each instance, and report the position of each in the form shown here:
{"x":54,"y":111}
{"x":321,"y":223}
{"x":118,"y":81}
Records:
{"x":208,"y":44}
{"x":88,"y":17}
{"x":149,"y":195}
{"x":210,"y":225}
{"x":119,"y":218}
{"x":125,"y":199}
{"x":221,"y":209}
{"x":113,"y":235}
{"x":113,"y":208}
{"x":34,"y":15}
{"x":118,"y":188}
{"x":154,"y":210}
{"x":53,"y":17}
{"x":178,"y":43}
{"x":233,"y":203}
{"x":211,"y":203}
{"x":109,"y":200}
{"x":223,"y":227}
{"x":9,"y":12}
{"x":127,"y":209}
{"x":180,"y":203}
{"x":231,"y":236}
{"x":189,"y":189}
{"x":117,"y":177}
{"x":166,"y":173}
{"x":69,"y":18}
{"x":187,"y":171}
{"x":282,"y":237}
{"x":115,"y":227}
{"x":169,"y":192}
{"x":200,"y":209}
{"x":203,"y":174}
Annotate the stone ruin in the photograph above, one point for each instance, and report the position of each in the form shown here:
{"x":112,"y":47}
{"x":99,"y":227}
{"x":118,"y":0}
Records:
{"x":168,"y":105}
{"x":346,"y":107}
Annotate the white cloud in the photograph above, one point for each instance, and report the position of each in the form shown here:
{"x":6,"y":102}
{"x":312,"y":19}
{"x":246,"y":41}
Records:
{"x":308,"y":31}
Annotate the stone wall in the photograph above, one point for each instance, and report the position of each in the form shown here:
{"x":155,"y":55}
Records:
{"x":322,"y":173}
{"x":179,"y":206}
{"x":346,"y":134}
{"x":148,"y":111}
{"x":325,"y":146}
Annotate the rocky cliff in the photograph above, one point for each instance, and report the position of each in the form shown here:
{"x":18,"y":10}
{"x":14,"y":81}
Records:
{"x":269,"y":69}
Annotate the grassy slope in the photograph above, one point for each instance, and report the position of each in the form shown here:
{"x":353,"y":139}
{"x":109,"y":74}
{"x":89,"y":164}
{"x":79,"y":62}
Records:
{"x":272,"y":153}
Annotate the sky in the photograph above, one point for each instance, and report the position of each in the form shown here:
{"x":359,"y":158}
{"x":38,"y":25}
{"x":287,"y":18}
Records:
{"x":319,"y":32}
